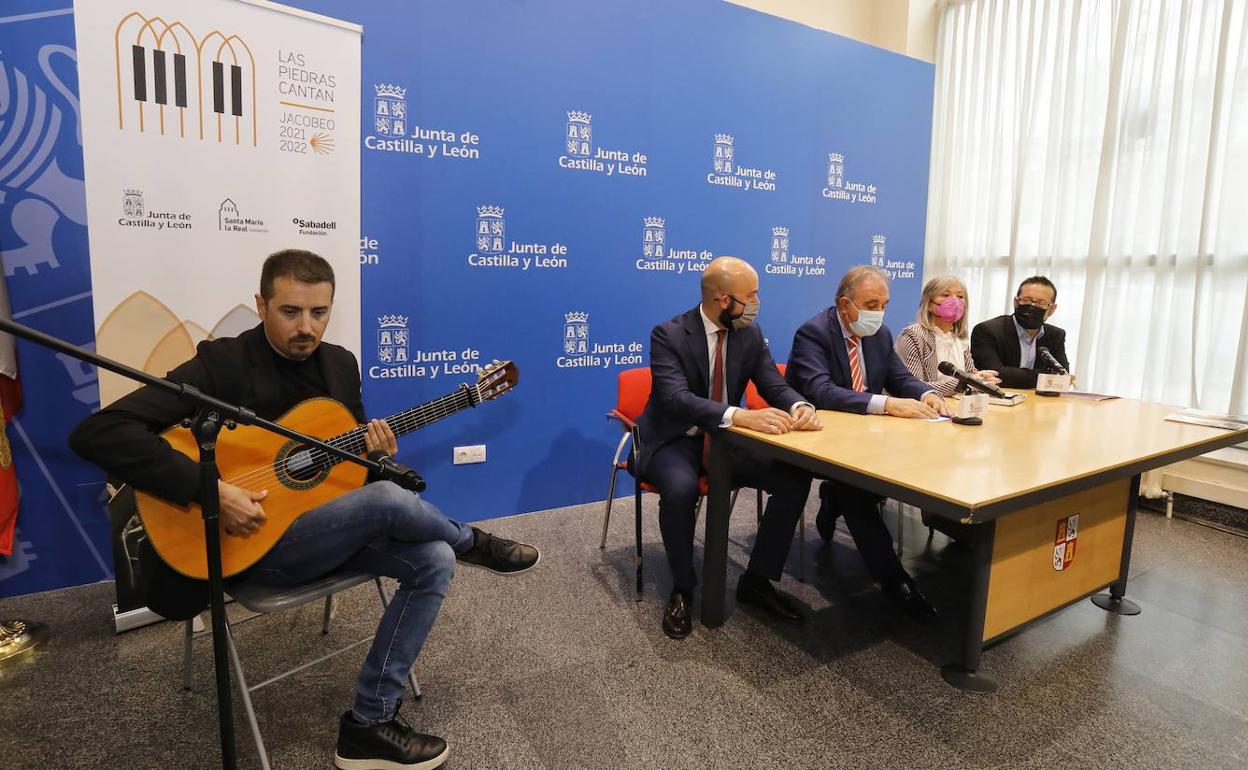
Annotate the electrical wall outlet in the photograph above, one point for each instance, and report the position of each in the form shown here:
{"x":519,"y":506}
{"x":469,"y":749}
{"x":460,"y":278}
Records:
{"x":463,"y":455}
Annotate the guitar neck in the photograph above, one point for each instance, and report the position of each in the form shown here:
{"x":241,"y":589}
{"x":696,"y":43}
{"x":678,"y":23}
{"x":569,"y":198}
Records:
{"x":415,"y":418}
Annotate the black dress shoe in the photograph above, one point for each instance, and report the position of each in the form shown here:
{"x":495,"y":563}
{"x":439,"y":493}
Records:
{"x":392,"y":745}
{"x":906,"y":594}
{"x":825,"y":520}
{"x":498,"y":554}
{"x":676,"y":623}
{"x":759,"y":592}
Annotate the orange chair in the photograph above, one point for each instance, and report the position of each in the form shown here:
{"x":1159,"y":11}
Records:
{"x":632,"y":393}
{"x":755,"y":401}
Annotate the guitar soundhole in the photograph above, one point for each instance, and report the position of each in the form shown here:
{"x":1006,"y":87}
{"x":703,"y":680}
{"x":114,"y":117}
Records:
{"x":301,"y":467}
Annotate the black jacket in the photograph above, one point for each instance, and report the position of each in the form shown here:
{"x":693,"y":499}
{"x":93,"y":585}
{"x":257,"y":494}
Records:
{"x":124,"y":437}
{"x":994,"y":345}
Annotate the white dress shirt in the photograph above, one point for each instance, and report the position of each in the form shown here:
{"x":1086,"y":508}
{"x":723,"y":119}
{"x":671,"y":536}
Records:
{"x":950,"y":347}
{"x":711,"y":339}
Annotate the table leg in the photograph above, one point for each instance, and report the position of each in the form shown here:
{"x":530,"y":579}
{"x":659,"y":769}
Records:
{"x":965,"y":674}
{"x":715,"y":560}
{"x":1115,"y":601}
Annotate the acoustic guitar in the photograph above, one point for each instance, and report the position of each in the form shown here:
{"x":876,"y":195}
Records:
{"x":298,"y":477}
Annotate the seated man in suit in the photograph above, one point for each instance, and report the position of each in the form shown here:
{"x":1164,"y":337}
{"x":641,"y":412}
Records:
{"x":843,"y":359}
{"x":701,"y":361}
{"x":1009,"y":343}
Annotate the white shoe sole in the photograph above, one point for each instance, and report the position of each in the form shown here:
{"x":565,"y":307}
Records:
{"x":504,"y":574}
{"x":385,"y":764}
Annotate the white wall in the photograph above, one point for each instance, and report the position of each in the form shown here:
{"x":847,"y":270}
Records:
{"x":904,"y":26}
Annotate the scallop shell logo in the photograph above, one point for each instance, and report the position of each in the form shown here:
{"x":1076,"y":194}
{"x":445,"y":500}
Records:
{"x":144,"y":333}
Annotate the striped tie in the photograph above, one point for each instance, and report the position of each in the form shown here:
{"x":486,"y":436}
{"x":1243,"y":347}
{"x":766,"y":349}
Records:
{"x":855,"y":364}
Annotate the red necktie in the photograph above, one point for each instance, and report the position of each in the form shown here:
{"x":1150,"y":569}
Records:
{"x":717,"y":377}
{"x":855,"y":364}
{"x":717,"y":390}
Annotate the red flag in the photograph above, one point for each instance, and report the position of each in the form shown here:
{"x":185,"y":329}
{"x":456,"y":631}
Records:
{"x":10,"y":401}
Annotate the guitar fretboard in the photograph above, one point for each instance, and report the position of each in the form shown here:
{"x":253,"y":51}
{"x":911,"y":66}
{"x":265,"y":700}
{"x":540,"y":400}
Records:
{"x":409,"y":420}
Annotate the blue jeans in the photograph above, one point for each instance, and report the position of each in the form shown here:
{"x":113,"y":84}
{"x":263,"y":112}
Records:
{"x":380,"y":529}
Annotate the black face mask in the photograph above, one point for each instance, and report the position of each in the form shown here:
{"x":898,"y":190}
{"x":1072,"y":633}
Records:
{"x":1029,"y":317}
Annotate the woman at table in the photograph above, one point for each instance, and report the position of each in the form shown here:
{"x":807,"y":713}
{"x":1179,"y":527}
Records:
{"x":939,"y":333}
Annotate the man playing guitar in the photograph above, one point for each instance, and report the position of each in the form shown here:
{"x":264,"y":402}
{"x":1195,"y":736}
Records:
{"x":379,"y":528}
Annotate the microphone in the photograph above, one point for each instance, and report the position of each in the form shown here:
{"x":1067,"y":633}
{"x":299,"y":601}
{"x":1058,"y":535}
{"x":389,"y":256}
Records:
{"x":947,"y":368}
{"x":1051,"y":361}
{"x":402,"y":475}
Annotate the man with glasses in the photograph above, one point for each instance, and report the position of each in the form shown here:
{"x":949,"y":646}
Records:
{"x":1010,"y":344}
{"x":701,"y":361}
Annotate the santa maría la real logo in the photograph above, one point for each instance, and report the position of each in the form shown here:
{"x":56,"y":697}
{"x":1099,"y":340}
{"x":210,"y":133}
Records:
{"x":894,"y":267}
{"x":493,"y":249}
{"x":782,"y":262}
{"x":580,"y":153}
{"x":580,"y":352}
{"x":841,"y":189}
{"x":393,"y":130}
{"x":728,"y":173}
{"x":231,"y":220}
{"x":658,"y":256}
{"x":396,"y":359}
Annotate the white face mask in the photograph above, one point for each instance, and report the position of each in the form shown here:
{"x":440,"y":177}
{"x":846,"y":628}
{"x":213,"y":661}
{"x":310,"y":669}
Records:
{"x":868,"y":323}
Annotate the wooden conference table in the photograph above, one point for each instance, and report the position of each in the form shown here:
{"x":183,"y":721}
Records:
{"x":1013,"y":483}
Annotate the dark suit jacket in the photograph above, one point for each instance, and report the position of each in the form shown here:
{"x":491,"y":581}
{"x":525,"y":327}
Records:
{"x":680,"y":367}
{"x":123,"y":438}
{"x":819,"y":366}
{"x":994,"y":345}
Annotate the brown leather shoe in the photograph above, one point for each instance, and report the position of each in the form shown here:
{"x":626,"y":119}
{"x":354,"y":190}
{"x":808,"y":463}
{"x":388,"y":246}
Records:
{"x":676,"y":623}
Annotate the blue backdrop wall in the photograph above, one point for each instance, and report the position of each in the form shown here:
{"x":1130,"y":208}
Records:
{"x":543,"y":181}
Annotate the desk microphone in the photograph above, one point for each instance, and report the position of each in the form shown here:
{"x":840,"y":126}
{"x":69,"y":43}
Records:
{"x":947,"y":368}
{"x":402,"y":475}
{"x":1051,"y":361}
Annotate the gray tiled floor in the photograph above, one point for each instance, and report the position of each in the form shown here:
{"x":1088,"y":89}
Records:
{"x":560,"y":668}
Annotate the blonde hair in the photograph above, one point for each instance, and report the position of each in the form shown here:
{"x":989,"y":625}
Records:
{"x":932,"y":289}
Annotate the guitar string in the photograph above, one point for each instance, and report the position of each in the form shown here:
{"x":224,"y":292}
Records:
{"x":319,"y":460}
{"x":352,"y":441}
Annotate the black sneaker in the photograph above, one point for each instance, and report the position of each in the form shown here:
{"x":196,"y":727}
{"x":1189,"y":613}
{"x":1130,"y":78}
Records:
{"x":498,"y":554}
{"x":392,"y":745}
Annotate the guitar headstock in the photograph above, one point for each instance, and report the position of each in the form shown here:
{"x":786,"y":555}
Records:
{"x":496,"y":378}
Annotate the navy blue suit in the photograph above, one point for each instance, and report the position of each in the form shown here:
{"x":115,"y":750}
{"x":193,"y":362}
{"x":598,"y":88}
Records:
{"x":819,"y":366}
{"x":671,"y":459}
{"x":819,"y":370}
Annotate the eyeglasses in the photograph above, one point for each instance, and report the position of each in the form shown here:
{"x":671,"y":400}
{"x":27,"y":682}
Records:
{"x":1029,"y":301}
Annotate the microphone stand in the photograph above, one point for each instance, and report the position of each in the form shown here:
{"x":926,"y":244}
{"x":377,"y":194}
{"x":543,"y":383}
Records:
{"x":210,"y":416}
{"x":965,"y":388}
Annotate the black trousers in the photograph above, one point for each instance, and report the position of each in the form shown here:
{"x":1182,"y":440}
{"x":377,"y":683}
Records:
{"x":861,"y":510}
{"x":673,"y":470}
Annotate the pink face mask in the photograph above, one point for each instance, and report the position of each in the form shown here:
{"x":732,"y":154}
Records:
{"x":950,"y":310}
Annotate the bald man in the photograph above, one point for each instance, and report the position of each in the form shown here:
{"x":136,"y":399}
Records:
{"x":701,"y":361}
